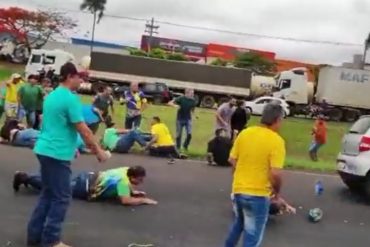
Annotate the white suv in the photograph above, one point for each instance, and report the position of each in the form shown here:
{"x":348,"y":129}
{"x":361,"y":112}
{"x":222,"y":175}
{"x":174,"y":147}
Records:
{"x":353,"y":162}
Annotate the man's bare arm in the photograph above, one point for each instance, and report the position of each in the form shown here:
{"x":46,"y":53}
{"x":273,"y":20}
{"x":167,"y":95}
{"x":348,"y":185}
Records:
{"x":275,"y":180}
{"x":134,"y":201}
{"x":122,"y":131}
{"x":152,"y":141}
{"x":88,"y":137}
{"x":172,"y":103}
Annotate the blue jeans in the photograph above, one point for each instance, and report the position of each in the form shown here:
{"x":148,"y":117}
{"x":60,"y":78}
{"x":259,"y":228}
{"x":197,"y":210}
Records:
{"x":180,"y":125}
{"x":30,"y":118}
{"x":79,"y":184}
{"x":126,"y":141}
{"x":250,"y":215}
{"x":132,"y":122}
{"x":45,"y":225}
{"x":315,"y":146}
{"x":26,"y":138}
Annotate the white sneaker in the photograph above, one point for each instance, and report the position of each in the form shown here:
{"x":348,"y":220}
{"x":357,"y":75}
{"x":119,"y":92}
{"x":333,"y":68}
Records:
{"x":60,"y":244}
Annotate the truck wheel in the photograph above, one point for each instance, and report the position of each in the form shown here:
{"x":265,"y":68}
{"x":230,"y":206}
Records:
{"x":222,"y":100}
{"x":197,"y":99}
{"x":335,"y":114}
{"x":350,"y":115}
{"x":208,"y":102}
{"x":367,"y":186}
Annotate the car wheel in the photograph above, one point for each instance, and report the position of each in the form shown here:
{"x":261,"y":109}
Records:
{"x":249,"y":109}
{"x":367,"y":186}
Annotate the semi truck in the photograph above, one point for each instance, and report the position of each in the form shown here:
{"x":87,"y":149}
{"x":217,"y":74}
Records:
{"x":212,"y":84}
{"x":345,"y":91}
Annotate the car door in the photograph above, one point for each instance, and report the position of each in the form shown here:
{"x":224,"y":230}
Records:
{"x":352,"y":140}
{"x":260,"y":105}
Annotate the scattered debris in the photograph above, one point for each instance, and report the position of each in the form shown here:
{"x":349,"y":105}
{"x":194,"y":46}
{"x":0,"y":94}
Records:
{"x":140,"y":245}
{"x":345,"y":221}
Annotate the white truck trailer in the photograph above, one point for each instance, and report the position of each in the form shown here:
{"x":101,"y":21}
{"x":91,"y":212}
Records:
{"x":346,"y":91}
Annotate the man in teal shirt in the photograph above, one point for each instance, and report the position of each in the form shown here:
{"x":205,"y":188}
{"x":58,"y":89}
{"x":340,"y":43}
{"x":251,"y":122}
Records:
{"x":55,"y":149}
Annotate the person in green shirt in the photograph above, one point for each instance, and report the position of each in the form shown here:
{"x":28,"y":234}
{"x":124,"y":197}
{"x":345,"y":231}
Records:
{"x":2,"y":100}
{"x":186,"y":105}
{"x":118,"y":183}
{"x":122,"y":140}
{"x":30,"y":95}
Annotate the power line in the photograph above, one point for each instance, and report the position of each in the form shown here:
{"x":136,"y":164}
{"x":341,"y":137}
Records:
{"x":211,"y":29}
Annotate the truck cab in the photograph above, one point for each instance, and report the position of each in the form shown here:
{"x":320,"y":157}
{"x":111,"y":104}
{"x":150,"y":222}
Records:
{"x":292,"y":86}
{"x":41,"y":59}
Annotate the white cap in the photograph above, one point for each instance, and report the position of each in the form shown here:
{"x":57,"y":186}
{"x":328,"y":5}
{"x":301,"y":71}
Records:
{"x":15,"y":76}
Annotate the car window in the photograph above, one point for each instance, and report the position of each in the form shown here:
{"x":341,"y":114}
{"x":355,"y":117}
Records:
{"x":149,"y":87}
{"x":161,"y":87}
{"x":36,"y":59}
{"x":263,"y":101}
{"x":361,"y":126}
{"x":49,"y":60}
{"x":285,"y":83}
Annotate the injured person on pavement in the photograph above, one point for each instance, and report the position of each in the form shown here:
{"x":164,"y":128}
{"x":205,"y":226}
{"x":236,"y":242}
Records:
{"x":118,"y":183}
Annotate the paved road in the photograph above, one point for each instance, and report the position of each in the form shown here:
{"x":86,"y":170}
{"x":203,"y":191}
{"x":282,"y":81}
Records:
{"x":193,"y":211}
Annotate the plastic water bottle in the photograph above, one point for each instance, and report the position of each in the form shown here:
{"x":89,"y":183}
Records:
{"x":319,"y":188}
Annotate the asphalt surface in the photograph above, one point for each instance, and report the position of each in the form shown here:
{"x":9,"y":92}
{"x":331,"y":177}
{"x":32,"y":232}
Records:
{"x":194,"y":208}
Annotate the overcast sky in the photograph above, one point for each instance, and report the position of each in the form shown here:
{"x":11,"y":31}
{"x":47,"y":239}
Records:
{"x":345,"y":21}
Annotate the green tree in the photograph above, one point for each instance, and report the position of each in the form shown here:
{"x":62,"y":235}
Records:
{"x":219,"y":62}
{"x":176,"y":57}
{"x":157,"y":53}
{"x":255,"y":63}
{"x":97,"y":8}
{"x":138,"y":52}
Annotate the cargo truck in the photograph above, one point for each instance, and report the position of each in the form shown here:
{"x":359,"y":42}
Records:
{"x":212,"y":84}
{"x":345,"y":91}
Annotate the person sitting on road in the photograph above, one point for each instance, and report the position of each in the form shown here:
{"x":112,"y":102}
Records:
{"x":162,"y":144}
{"x":118,"y":183}
{"x":122,"y":140}
{"x":219,"y":149}
{"x":16,"y":134}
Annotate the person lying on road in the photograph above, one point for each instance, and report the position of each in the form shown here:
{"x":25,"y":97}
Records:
{"x":122,"y":140}
{"x":16,"y":134}
{"x":118,"y":183}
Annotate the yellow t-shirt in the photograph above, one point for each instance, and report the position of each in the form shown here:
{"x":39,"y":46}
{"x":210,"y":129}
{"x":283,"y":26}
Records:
{"x":256,"y":149}
{"x":164,"y":137}
{"x":11,"y":95}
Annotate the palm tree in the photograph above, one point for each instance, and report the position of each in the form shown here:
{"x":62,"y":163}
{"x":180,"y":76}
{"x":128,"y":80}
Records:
{"x":96,"y":7}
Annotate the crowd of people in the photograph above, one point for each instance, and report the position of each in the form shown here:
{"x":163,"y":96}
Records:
{"x":59,"y":127}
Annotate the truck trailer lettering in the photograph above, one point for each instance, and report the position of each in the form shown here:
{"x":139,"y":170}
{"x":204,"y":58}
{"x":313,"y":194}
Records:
{"x":354,"y":77}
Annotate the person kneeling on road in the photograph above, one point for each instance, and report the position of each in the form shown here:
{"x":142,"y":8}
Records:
{"x":219,"y":149}
{"x":162,"y":144}
{"x":118,"y":183}
{"x":122,"y":140}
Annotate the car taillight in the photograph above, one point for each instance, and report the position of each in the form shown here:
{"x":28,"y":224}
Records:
{"x":166,"y":94}
{"x":365,"y":144}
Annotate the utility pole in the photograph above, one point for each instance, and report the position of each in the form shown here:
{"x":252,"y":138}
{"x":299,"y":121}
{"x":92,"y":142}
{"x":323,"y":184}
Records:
{"x":367,"y":46}
{"x":151,"y":29}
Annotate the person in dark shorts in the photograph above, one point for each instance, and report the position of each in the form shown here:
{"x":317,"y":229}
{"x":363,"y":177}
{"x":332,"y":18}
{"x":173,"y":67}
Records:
{"x":239,"y":119}
{"x":219,"y":149}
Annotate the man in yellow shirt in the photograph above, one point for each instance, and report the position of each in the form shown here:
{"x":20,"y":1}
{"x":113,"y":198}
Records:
{"x":257,"y":157}
{"x":11,"y":96}
{"x":162,"y":144}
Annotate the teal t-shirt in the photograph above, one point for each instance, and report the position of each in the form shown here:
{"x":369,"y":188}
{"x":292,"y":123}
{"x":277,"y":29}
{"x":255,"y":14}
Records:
{"x":58,"y":137}
{"x":110,"y":138}
{"x":114,"y":183}
{"x":2,"y":96}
